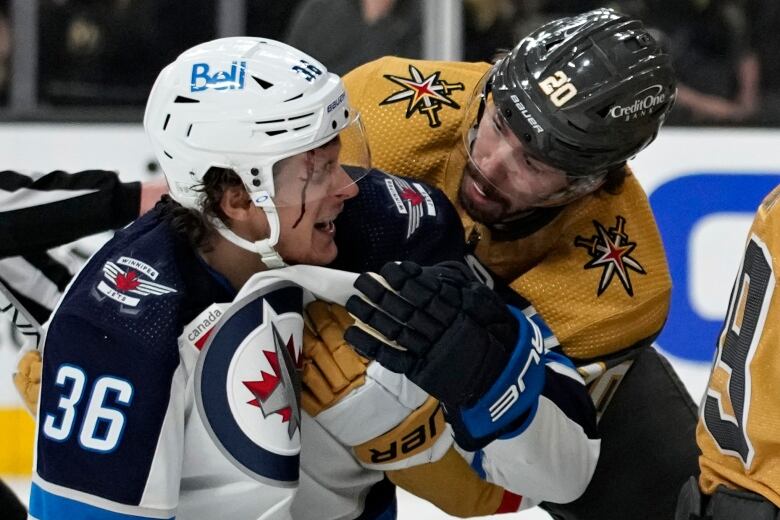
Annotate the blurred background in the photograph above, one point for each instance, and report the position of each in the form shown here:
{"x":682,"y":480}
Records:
{"x":74,"y":76}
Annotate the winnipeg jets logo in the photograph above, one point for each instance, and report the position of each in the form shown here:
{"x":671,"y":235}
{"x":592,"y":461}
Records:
{"x":247,"y":385}
{"x":119,"y":283}
{"x":272,"y":391}
{"x":610,"y":249}
{"x":410,"y":199}
{"x":424,"y":95}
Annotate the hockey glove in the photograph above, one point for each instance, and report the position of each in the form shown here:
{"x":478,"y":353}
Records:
{"x":447,"y":332}
{"x":27,"y":379}
{"x":331,"y":368}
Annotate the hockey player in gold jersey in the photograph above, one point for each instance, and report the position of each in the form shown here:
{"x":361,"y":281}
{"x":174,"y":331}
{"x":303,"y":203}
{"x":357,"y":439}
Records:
{"x":533,"y":150}
{"x":738,"y":431}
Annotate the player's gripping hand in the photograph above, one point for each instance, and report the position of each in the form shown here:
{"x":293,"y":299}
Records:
{"x":331,"y":368}
{"x":27,"y":379}
{"x":438,"y":325}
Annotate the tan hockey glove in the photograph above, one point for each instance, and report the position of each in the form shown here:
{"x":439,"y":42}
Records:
{"x":411,"y":427}
{"x":27,"y":379}
{"x":331,"y":368}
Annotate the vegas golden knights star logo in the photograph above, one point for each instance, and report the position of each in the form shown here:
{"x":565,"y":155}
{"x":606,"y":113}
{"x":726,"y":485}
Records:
{"x":424,"y":95}
{"x":610,"y":250}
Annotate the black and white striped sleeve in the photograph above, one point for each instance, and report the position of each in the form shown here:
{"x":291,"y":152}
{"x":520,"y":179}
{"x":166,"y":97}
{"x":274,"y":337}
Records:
{"x":41,"y":211}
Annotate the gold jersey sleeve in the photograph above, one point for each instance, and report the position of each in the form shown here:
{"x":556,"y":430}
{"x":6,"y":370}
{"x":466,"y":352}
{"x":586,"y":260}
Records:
{"x":739,"y":418}
{"x":597,"y":273}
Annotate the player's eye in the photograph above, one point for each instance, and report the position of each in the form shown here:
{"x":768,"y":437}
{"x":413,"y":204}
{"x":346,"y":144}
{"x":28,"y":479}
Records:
{"x":498,"y":125}
{"x":532,"y":165}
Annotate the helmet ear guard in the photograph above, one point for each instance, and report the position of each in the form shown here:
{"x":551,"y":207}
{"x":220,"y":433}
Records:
{"x":244,"y":104}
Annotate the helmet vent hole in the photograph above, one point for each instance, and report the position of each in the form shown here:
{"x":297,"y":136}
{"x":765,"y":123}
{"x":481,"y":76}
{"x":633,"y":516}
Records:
{"x":182,"y":99}
{"x":507,"y":113}
{"x":301,"y":127}
{"x":300,"y":116}
{"x":165,"y":124}
{"x":645,"y":40}
{"x":189,"y":129}
{"x":169,"y":156}
{"x":333,"y":124}
{"x":269,"y":121}
{"x":552,"y":44}
{"x":527,"y":138}
{"x":265,"y":85}
{"x":272,"y":133}
{"x":294,"y":97}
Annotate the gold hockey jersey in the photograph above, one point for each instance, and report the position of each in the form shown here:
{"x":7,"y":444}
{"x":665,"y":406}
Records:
{"x":739,"y":418}
{"x":596,"y":272}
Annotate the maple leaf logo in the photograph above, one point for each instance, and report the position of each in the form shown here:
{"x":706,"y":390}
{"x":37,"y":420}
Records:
{"x":267,"y":390}
{"x":127,"y":282}
{"x":412,"y":196}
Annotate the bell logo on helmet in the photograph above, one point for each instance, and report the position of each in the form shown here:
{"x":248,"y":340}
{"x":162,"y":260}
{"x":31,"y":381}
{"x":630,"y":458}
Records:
{"x":558,"y":88}
{"x":644,"y":102}
{"x":221,"y":80}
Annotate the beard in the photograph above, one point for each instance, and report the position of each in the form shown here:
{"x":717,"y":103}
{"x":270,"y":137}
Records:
{"x":496,"y":210}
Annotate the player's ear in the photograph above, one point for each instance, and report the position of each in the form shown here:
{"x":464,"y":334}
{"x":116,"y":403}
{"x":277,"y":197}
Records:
{"x":236,"y":205}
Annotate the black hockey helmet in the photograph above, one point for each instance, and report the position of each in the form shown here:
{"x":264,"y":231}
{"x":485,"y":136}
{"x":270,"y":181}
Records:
{"x":585,"y":93}
{"x":581,"y":94}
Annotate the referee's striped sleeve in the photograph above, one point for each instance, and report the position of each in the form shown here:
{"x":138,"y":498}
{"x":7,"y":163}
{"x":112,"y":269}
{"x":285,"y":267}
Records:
{"x":41,"y":211}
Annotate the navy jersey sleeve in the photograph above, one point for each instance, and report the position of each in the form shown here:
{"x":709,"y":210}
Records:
{"x":41,"y":211}
{"x":106,"y":420}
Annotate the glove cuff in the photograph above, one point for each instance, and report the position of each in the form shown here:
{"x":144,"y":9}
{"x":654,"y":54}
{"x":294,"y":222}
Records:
{"x":510,"y":403}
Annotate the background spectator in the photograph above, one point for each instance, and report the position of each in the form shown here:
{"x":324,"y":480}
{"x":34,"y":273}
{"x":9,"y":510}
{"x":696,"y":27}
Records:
{"x":347,"y":33}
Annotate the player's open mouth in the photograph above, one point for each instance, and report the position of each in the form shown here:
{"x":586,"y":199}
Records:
{"x":480,"y":191}
{"x":479,"y":188}
{"x":326,"y":226}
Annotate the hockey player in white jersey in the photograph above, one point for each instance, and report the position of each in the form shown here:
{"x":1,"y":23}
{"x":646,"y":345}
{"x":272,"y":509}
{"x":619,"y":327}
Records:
{"x":247,"y":133}
{"x":159,"y":432}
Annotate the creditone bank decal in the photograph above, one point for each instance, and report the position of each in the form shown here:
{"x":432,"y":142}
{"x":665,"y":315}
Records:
{"x":678,"y":205}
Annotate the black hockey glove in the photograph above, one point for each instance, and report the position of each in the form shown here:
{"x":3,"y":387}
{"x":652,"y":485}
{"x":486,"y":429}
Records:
{"x":438,"y":325}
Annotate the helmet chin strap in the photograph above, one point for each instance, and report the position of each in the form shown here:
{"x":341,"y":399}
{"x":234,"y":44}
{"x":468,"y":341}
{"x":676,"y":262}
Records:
{"x":264,"y":247}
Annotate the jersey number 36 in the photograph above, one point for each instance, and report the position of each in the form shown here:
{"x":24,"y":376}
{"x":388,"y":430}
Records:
{"x":102,"y":426}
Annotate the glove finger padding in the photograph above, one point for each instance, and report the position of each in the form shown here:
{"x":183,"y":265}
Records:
{"x":458,"y":338}
{"x":403,"y":313}
{"x":330,"y":322}
{"x":379,"y":324}
{"x":27,"y":379}
{"x":392,"y":358}
{"x":331,"y":368}
{"x":423,"y":290}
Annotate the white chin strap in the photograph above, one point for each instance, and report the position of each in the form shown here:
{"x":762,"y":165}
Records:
{"x":265,"y":247}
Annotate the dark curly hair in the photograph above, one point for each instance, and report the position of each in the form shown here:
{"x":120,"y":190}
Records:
{"x":195,"y":225}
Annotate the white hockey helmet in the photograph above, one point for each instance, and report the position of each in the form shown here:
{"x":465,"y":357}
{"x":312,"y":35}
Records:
{"x":244,"y":104}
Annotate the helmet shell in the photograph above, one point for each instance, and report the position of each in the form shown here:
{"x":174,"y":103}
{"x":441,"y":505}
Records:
{"x":585,"y":93}
{"x":240,"y":103}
